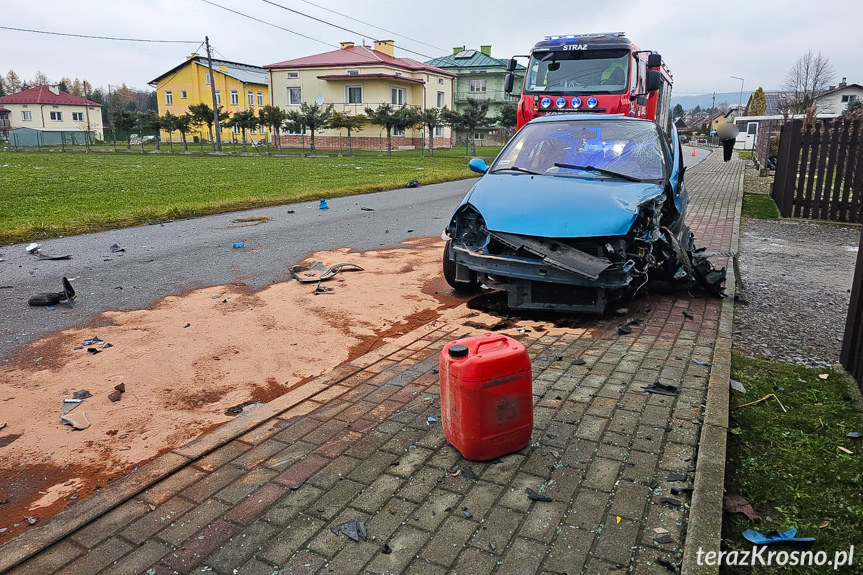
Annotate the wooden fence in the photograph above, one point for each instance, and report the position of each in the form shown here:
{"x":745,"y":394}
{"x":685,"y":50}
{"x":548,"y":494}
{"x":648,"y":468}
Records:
{"x":819,"y":172}
{"x":852,"y":343}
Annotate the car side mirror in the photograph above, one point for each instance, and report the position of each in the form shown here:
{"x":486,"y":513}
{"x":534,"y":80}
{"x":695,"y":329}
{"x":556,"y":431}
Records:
{"x":654,"y":60}
{"x":477,"y":165}
{"x":510,"y":66}
{"x":508,"y":81}
{"x":653,"y":81}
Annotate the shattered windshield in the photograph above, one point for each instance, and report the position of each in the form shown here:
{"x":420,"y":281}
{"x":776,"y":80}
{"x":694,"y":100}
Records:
{"x":624,"y":149}
{"x":581,"y":72}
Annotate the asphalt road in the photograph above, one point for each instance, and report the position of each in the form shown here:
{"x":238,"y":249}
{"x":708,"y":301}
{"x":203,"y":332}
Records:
{"x":175,"y":257}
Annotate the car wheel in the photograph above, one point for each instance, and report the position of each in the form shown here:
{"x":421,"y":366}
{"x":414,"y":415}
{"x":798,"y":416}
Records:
{"x":449,"y":267}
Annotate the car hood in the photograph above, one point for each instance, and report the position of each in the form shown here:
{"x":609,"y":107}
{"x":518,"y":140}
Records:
{"x":559,"y":207}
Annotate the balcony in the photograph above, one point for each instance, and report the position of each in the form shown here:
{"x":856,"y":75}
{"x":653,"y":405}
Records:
{"x":5,"y":124}
{"x":491,"y":96}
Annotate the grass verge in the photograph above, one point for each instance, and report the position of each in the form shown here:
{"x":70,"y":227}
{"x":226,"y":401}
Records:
{"x":789,"y":465}
{"x":759,"y":206}
{"x":744,"y":154}
{"x":51,"y":194}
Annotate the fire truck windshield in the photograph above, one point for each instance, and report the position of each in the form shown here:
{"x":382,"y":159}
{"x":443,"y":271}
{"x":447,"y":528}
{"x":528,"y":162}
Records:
{"x":578,"y":72}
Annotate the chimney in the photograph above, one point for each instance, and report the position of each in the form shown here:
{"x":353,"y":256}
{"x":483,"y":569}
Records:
{"x":55,"y":89}
{"x":831,"y":88}
{"x":458,"y":49}
{"x":485,"y":50}
{"x":192,"y":55}
{"x":843,"y":83}
{"x":385,"y":46}
{"x":345,"y":45}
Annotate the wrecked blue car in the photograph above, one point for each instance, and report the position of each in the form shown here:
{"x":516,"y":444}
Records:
{"x":576,"y":213}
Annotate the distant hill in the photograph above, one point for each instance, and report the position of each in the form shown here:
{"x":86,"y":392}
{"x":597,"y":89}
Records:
{"x":706,"y":100}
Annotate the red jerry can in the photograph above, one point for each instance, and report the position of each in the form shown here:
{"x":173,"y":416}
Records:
{"x":486,"y":396}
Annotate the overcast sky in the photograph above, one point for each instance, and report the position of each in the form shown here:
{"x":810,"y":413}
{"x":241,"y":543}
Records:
{"x":704,"y":44}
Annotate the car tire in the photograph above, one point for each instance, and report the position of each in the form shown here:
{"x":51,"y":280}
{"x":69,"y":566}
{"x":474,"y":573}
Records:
{"x":449,"y":266}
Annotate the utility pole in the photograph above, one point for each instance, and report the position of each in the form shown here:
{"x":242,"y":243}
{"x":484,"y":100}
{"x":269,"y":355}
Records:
{"x":713,"y":107}
{"x":213,"y":93}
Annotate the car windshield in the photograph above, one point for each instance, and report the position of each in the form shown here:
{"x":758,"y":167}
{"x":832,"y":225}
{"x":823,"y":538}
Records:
{"x":628,"y":149}
{"x":579,"y":72}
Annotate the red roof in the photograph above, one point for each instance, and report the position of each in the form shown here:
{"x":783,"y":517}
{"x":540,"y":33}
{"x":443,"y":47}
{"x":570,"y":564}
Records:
{"x":44,"y":95}
{"x":358,"y":56}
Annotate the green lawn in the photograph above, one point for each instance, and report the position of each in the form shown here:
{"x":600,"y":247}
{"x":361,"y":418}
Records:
{"x":50,"y":194}
{"x":790,"y":465}
{"x":744,"y":154}
{"x":759,"y":206}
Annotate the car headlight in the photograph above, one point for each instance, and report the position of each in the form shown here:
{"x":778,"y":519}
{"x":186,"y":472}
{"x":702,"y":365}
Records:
{"x":468,"y":229}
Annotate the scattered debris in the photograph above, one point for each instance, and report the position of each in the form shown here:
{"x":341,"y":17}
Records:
{"x":467,"y":513}
{"x":32,"y":247}
{"x":681,"y":490}
{"x":846,"y":451}
{"x":697,"y":361}
{"x":466,"y":471}
{"x":291,"y":212}
{"x":431,"y":420}
{"x":534,"y":496}
{"x":789,"y":536}
{"x":367,"y":209}
{"x":30,"y":520}
{"x":412,"y":184}
{"x":762,"y":400}
{"x":42,"y":256}
{"x":739,"y":504}
{"x":688,"y":314}
{"x":323,"y":205}
{"x":238,"y":245}
{"x":667,"y":564}
{"x":69,"y":405}
{"x":121,"y":387}
{"x":661,"y":388}
{"x":238,"y":409}
{"x":676,"y":477}
{"x":115,"y":248}
{"x":660,"y":530}
{"x":663,"y":539}
{"x":93,"y":350}
{"x":115,"y":396}
{"x":579,"y":362}
{"x":50,"y":299}
{"x":850,"y":434}
{"x":318,"y":272}
{"x":386,"y":549}
{"x":624,"y":329}
{"x":737,"y":386}
{"x":824,"y":376}
{"x":92,"y":340}
{"x":76,"y":422}
{"x":187,"y":325}
{"x":671,"y":501}
{"x":355,"y":529}
{"x":322,"y":290}
{"x":823,"y":525}
{"x":81,"y":394}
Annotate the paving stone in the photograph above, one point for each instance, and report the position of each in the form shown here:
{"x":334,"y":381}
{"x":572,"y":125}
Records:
{"x":523,"y":558}
{"x":288,"y":508}
{"x":327,"y":543}
{"x":497,"y":530}
{"x":371,"y":468}
{"x":616,"y":541}
{"x":140,"y":559}
{"x":335,"y":499}
{"x":284,"y":544}
{"x":410,"y":462}
{"x":352,"y":557}
{"x":50,"y":559}
{"x":481,"y":498}
{"x":258,"y":454}
{"x":225,"y":454}
{"x":101,"y":556}
{"x":602,"y":474}
{"x":639,"y":466}
{"x":515,"y":496}
{"x":394,"y":512}
{"x":289,"y":455}
{"x":405,"y":544}
{"x":373,"y":497}
{"x":420,"y":484}
{"x":296,"y":430}
{"x":420,"y":567}
{"x":330,"y":475}
{"x":449,"y":541}
{"x":630,"y":500}
{"x":474,"y":562}
{"x":110,"y":523}
{"x":504,"y":469}
{"x":256,"y":503}
{"x":542,"y":520}
{"x":213,"y":482}
{"x":434,"y":510}
{"x":241,"y":546}
{"x":368,"y":445}
{"x":569,"y":551}
{"x":299,"y":472}
{"x":244,"y":485}
{"x":172,"y":485}
{"x":200,"y":545}
{"x":193,"y":521}
{"x":338,"y":443}
{"x":305,"y":562}
{"x":159,"y":518}
{"x":587,"y":510}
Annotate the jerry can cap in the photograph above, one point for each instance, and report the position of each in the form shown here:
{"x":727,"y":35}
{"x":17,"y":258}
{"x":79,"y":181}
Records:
{"x":458,"y":350}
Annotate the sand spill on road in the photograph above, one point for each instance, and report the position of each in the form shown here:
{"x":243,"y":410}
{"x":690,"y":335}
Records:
{"x":239,"y":346}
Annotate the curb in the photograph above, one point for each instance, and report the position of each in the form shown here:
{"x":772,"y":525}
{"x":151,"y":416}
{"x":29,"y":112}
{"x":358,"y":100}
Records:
{"x":705,"y":515}
{"x":39,"y":538}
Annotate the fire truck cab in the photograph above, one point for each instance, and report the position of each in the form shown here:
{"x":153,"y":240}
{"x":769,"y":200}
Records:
{"x":593,"y":73}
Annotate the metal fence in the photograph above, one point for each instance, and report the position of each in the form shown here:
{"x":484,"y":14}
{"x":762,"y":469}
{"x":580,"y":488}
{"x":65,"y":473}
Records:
{"x":819,"y":171}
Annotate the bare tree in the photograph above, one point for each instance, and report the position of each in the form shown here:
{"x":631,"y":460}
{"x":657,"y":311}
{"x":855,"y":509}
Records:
{"x":808,"y":77}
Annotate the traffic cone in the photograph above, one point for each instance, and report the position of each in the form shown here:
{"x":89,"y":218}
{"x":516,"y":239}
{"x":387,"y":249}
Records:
{"x":693,"y":152}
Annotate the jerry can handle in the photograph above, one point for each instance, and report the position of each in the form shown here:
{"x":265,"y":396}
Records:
{"x":499,"y":342}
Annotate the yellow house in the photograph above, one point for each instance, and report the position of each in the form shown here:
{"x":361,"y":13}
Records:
{"x":238,"y":87}
{"x":356,"y":77}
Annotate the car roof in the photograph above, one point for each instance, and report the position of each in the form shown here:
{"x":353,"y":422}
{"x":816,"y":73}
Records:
{"x":586,"y":117}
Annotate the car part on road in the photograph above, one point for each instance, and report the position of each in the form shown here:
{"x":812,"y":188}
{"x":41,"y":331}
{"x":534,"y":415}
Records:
{"x":323,"y":205}
{"x":534,"y":496}
{"x":318,"y":272}
{"x":661,"y":388}
{"x":238,"y":245}
{"x":92,"y":340}
{"x":323,"y":290}
{"x":789,"y":537}
{"x":412,"y":184}
{"x":79,"y":422}
{"x":48,"y":299}
{"x":238,"y":409}
{"x":115,"y":248}
{"x":355,"y":529}
{"x":32,"y":248}
{"x":42,"y":256}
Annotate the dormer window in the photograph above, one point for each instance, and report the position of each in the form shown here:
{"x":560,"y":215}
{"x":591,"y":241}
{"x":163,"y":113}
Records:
{"x":353,"y":72}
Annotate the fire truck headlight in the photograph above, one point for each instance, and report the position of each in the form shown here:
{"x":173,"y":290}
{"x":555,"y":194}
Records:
{"x":576,"y":102}
{"x":560,"y":102}
{"x":591,"y":102}
{"x":545,"y":102}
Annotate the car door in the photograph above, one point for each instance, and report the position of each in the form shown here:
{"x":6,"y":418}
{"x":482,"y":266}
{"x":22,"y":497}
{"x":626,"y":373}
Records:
{"x":675,"y":180}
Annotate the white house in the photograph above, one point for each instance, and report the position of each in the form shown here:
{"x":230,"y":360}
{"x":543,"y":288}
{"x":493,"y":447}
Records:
{"x":48,"y":109}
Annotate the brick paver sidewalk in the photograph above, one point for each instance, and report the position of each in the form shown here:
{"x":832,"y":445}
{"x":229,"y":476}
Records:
{"x":602,"y":449}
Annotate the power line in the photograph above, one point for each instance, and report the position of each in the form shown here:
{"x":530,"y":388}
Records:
{"x":267,"y":23}
{"x":337,"y":26}
{"x":373,"y":26}
{"x":100,"y":37}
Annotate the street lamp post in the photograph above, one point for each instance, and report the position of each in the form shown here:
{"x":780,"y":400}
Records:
{"x":740,"y":99}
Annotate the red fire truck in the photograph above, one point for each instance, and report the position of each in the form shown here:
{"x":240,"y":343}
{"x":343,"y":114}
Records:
{"x":593,"y":73}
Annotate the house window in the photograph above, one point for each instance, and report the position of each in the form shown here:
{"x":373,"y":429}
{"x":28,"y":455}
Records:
{"x":398,"y":131}
{"x":440,"y":80}
{"x":477,"y":85}
{"x":208,"y":79}
{"x":295,"y":96}
{"x":438,"y":131}
{"x":354,"y":94}
{"x":294,"y":131}
{"x":251,"y":97}
{"x":218,"y":97}
{"x":441,"y":99}
{"x":183,"y":94}
{"x":57,"y":116}
{"x":77,"y":116}
{"x":293,"y":74}
{"x":479,"y":136}
{"x":235,"y":129}
{"x":260,"y":98}
{"x":169,"y":98}
{"x":26,"y":115}
{"x":849,"y":98}
{"x":254,"y":131}
{"x":352,"y":72}
{"x":398,"y":96}
{"x":235,"y":98}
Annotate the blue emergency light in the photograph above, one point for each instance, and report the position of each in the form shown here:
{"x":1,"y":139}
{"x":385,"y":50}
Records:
{"x":576,"y":102}
{"x":545,"y":102}
{"x":591,"y":102}
{"x":583,"y":36}
{"x":560,"y":102}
